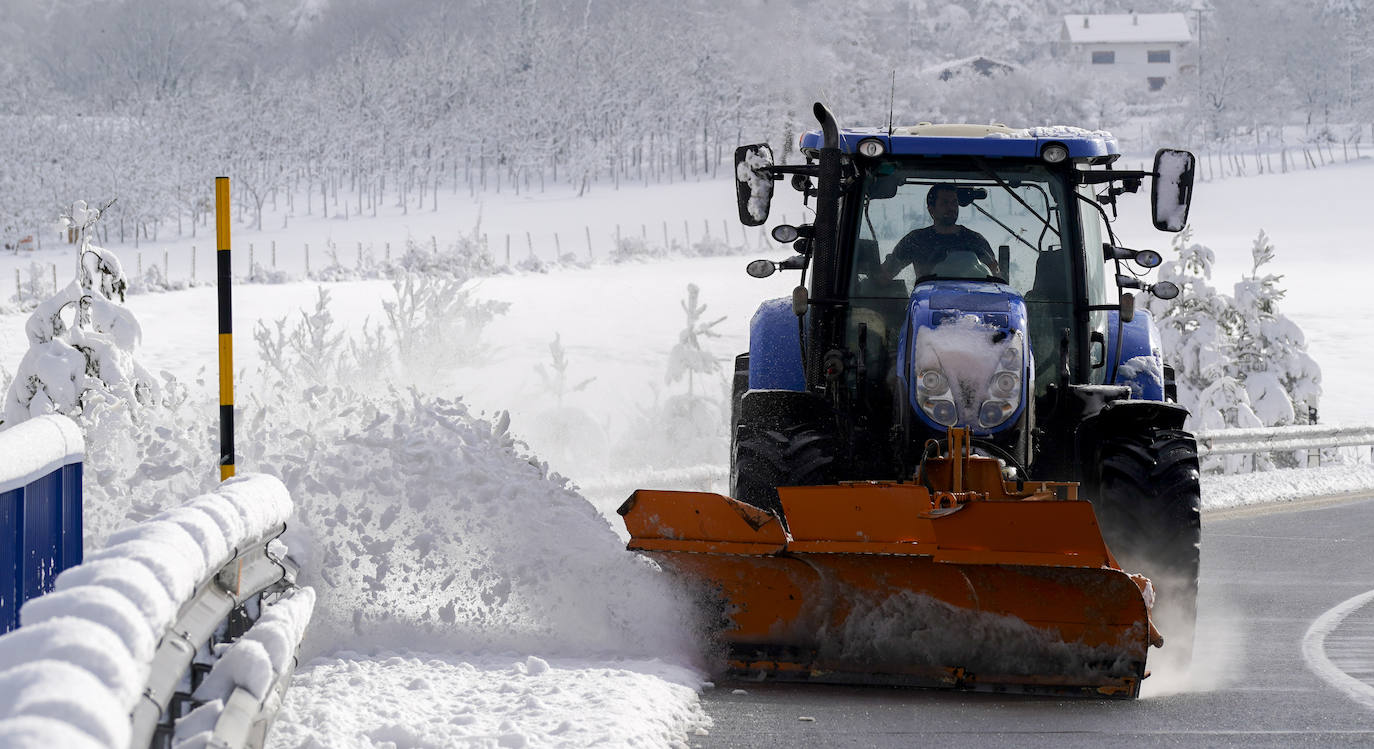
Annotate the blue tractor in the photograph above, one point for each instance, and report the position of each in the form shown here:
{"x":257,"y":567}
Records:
{"x":1017,"y":324}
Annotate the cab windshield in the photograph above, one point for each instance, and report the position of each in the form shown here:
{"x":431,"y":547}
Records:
{"x":1007,"y":227}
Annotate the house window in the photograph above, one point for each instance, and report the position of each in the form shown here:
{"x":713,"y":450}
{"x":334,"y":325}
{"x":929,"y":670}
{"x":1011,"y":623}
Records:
{"x":1157,"y":55}
{"x":1104,"y":58}
{"x":1156,"y":83}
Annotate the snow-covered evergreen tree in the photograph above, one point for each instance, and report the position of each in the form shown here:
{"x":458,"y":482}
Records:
{"x":82,"y":342}
{"x":1238,"y":361}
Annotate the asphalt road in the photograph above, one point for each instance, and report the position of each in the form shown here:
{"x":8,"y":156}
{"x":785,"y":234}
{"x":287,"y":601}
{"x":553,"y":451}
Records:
{"x":1266,"y":578}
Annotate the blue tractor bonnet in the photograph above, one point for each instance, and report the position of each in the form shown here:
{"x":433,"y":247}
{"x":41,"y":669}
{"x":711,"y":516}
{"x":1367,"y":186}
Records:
{"x":976,"y":140}
{"x":965,"y":356}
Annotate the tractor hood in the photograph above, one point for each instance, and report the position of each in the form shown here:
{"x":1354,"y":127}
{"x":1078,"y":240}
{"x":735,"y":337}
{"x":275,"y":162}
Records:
{"x":965,"y":358}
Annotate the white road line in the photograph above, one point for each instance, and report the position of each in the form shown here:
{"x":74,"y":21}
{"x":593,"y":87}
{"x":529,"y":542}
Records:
{"x":1314,"y":651}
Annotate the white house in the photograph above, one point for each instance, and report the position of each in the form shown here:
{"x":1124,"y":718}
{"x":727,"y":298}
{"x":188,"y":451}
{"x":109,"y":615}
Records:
{"x":1146,"y":46}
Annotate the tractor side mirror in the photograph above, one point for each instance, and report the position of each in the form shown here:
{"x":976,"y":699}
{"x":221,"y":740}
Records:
{"x":761,"y":268}
{"x":1172,"y":191}
{"x":753,"y":183}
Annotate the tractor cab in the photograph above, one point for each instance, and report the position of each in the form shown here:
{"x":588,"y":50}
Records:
{"x":960,"y":275}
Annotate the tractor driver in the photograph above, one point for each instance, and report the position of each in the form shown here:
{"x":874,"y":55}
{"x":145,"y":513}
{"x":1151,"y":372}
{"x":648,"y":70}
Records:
{"x":926,"y":248}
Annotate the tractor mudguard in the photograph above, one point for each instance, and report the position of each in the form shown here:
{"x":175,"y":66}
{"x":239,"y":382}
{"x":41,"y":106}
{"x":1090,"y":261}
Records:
{"x":780,"y":409}
{"x":1126,"y":417}
{"x":1140,"y":366}
{"x":775,"y":360}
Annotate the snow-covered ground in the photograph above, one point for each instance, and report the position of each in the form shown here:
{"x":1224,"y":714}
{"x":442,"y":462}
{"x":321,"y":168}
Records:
{"x":425,"y":686}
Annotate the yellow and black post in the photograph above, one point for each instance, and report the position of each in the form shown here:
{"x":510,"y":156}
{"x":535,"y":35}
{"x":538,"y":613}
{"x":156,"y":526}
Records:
{"x":226,"y":330}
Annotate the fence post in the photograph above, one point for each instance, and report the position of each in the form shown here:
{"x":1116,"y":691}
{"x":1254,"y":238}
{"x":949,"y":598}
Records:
{"x":138,"y":263}
{"x":193,"y":264}
{"x":529,"y":243}
{"x":250,"y":259}
{"x":588,"y":229}
{"x":687,"y":233}
{"x":507,"y":250}
{"x":557,"y":247}
{"x":307,"y":260}
{"x":18,"y":287}
{"x":54,"y":278}
{"x":274,"y":254}
{"x":166,"y":269}
{"x":666,"y":243}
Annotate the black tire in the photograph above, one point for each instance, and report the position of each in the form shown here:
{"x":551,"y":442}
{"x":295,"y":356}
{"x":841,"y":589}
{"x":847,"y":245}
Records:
{"x":1148,"y":503}
{"x":764,"y":459}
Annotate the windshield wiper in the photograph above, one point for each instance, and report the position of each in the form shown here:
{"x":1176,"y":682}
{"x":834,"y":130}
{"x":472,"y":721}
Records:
{"x":1003,"y":183}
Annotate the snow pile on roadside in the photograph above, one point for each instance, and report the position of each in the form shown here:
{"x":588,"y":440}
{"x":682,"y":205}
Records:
{"x":423,"y":526}
{"x":1285,"y":485}
{"x":422,"y":700}
{"x":83,"y":654}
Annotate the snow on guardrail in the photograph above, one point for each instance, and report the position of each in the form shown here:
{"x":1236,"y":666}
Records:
{"x":1283,"y":439}
{"x":97,"y":662}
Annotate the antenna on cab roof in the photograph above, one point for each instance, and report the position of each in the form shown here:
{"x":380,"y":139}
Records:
{"x":891,"y":102}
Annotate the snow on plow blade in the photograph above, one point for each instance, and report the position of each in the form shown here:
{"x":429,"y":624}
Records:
{"x":876,"y":583}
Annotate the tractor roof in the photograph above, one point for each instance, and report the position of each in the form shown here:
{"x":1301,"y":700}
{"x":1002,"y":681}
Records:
{"x":926,"y":139}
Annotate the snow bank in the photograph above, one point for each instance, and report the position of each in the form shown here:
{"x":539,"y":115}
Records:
{"x":431,"y":527}
{"x":37,"y":447}
{"x":421,"y":700}
{"x":1285,"y":485}
{"x":70,"y":675}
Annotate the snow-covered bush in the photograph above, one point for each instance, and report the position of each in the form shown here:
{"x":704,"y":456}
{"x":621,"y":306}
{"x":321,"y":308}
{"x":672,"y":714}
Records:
{"x":81,"y":343}
{"x":684,"y":428}
{"x":465,"y":258}
{"x":436,"y":324}
{"x":565,"y":434}
{"x":1238,"y":361}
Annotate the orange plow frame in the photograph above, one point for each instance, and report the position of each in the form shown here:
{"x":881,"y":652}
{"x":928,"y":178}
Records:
{"x":979,"y":584}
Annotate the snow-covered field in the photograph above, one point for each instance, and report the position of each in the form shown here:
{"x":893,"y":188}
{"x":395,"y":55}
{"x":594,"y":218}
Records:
{"x":575,"y":664}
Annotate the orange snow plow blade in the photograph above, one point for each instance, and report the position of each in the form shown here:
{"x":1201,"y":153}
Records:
{"x":978,"y":584}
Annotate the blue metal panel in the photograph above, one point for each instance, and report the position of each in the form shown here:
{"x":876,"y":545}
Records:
{"x":40,"y":536}
{"x":1141,"y":366}
{"x":41,"y":531}
{"x":11,"y":552}
{"x":775,"y":361}
{"x":1080,"y":146}
{"x":73,"y":522}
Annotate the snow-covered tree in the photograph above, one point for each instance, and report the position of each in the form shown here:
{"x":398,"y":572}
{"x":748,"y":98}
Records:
{"x":1238,"y":361}
{"x":82,"y":342}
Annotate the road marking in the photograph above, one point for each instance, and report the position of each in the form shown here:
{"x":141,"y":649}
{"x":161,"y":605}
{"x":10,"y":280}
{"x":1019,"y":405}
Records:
{"x":1314,"y":650}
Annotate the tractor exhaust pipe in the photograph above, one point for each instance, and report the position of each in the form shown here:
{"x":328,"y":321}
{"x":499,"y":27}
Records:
{"x":824,"y":278}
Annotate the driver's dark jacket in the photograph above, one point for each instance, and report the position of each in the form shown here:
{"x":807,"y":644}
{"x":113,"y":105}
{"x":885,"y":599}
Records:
{"x":925,"y":248}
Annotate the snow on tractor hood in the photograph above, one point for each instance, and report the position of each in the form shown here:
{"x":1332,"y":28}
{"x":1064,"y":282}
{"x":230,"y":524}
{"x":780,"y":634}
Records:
{"x":965,"y":356}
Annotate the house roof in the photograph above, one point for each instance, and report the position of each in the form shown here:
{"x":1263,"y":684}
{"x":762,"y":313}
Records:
{"x":979,"y":64}
{"x":1127,"y":27}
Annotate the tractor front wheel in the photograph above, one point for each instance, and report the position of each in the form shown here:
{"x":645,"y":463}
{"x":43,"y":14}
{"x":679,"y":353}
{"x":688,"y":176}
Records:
{"x":765,"y":459}
{"x":1148,"y":504}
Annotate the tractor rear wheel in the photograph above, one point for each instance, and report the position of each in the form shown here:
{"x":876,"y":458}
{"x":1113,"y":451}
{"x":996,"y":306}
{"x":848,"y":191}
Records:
{"x":764,"y":459}
{"x":1148,"y":503}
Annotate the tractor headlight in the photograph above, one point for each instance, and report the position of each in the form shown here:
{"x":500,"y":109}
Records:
{"x":932,"y":392}
{"x":1004,"y":388}
{"x":933,"y":382}
{"x":871,"y":147}
{"x":1054,"y":153}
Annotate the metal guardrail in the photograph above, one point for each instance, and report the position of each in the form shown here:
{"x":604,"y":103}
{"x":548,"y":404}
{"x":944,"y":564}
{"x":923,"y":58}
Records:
{"x":1301,"y":438}
{"x":40,"y":509}
{"x":199,"y":625}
